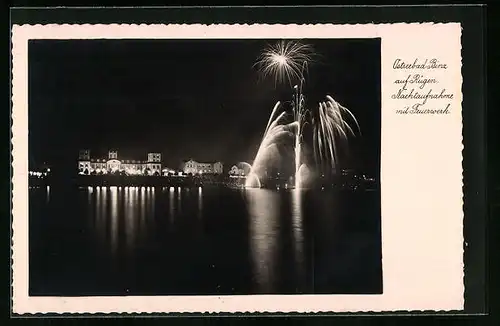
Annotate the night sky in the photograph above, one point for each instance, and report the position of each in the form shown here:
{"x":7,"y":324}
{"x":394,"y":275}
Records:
{"x":200,"y":99}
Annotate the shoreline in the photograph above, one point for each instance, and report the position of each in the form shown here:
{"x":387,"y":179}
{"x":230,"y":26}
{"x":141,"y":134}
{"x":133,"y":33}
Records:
{"x":184,"y":182}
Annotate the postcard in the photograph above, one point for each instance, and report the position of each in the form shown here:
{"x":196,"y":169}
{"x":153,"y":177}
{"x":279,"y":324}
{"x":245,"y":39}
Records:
{"x":237,"y":168}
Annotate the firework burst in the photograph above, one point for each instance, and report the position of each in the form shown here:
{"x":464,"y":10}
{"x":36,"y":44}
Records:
{"x":284,"y":61}
{"x":332,"y":124}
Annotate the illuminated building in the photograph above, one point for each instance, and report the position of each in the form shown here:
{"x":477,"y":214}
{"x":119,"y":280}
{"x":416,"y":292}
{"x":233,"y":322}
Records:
{"x":112,"y":164}
{"x":168,"y":171}
{"x":235,"y":171}
{"x":194,"y":167}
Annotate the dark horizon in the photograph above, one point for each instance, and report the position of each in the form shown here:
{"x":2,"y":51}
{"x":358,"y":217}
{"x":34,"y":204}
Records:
{"x":200,"y":99}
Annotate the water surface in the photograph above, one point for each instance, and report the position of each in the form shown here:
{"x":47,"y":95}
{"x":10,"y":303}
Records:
{"x":203,"y":241}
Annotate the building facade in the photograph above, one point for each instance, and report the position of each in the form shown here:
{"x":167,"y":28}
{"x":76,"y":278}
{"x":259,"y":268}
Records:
{"x":113,"y":164}
{"x":235,"y":171}
{"x":194,"y":167}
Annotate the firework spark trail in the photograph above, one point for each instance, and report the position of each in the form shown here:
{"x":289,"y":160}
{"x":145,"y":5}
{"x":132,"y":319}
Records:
{"x":338,"y":109}
{"x":300,"y":119}
{"x":335,"y":131}
{"x":271,"y":118}
{"x":275,"y":129}
{"x":330,"y":128}
{"x":284,"y":61}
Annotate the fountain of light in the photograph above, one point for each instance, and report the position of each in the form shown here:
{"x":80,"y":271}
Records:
{"x":288,"y":61}
{"x":300,"y":115}
{"x":268,"y":150}
{"x":245,"y":166}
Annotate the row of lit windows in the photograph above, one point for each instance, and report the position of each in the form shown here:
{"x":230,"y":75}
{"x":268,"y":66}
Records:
{"x":85,"y":155}
{"x":94,"y":165}
{"x":117,"y":165}
{"x":123,"y":162}
{"x":154,"y":157}
{"x":203,"y":165}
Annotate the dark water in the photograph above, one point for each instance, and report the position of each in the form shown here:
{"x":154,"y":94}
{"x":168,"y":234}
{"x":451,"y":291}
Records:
{"x":147,"y":241}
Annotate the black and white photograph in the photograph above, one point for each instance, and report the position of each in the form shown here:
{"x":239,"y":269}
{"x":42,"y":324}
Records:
{"x":170,"y":168}
{"x":194,"y":167}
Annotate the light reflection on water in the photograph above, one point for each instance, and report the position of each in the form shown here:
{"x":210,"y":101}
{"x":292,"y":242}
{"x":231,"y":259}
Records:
{"x":138,"y":205}
{"x":138,"y":208}
{"x":263,"y":207}
{"x":141,"y":201}
{"x":264,"y":210}
{"x":89,"y":197}
{"x":253,"y":241}
{"x":135,"y":209}
{"x":102,"y":204}
{"x":171,"y":204}
{"x":151,"y":198}
{"x":90,"y":193}
{"x":130,"y":216}
{"x":200,"y":202}
{"x":297,"y":227}
{"x":179,"y":202}
{"x":114,"y":219}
